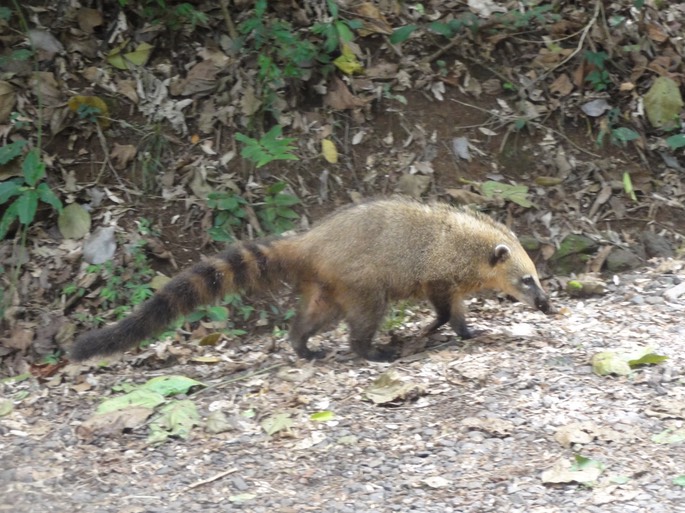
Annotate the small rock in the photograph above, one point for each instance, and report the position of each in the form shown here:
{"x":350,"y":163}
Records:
{"x":239,"y":483}
{"x":674,"y":293}
{"x":620,"y":260}
{"x":573,"y":254}
{"x":656,"y":246}
{"x":637,"y":300}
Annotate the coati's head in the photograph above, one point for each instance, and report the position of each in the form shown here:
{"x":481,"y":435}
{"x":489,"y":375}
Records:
{"x":514,"y":273}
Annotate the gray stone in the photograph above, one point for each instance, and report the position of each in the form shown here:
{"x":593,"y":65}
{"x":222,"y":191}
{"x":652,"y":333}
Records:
{"x":656,"y":246}
{"x":620,"y":260}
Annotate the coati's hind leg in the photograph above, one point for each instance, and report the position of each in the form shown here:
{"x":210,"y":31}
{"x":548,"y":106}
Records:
{"x":364,"y":311}
{"x":315,"y":312}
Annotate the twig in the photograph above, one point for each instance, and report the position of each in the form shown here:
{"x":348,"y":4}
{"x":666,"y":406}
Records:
{"x":206,"y":481}
{"x":579,"y":47}
{"x":107,"y":162}
{"x":560,"y":134}
{"x":239,"y":378}
{"x":538,"y":125}
{"x":230,"y":27}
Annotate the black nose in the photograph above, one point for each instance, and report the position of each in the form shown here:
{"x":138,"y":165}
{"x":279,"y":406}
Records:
{"x":542,"y":304}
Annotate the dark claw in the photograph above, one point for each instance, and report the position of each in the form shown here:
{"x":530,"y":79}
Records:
{"x":378,"y":354}
{"x":312,"y":355}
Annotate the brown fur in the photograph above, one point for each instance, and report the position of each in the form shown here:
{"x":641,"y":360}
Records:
{"x":349,"y":267}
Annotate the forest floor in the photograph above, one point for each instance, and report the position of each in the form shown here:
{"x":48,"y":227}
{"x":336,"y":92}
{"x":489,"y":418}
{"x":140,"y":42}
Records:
{"x":514,"y":420}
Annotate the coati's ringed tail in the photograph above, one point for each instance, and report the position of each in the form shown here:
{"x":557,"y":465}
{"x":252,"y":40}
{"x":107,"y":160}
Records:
{"x":348,"y":267}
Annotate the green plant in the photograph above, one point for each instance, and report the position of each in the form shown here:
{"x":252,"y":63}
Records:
{"x":599,"y":77}
{"x":618,"y":135}
{"x":28,"y":189}
{"x":231,"y":215}
{"x":125,"y":286}
{"x":52,"y":358}
{"x":281,"y":53}
{"x":271,"y":146}
{"x":334,"y":32}
{"x":276,"y":213}
{"x":513,"y":20}
{"x":153,"y":151}
{"x":398,"y":315}
{"x":88,"y":112}
{"x":166,"y":13}
{"x":21,"y":54}
{"x":389,"y":95}
{"x":145,"y":227}
{"x":676,"y":141}
{"x":285,"y":53}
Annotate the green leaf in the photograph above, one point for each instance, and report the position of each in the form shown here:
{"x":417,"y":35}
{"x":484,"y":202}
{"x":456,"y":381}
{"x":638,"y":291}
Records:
{"x":441,"y":28}
{"x":141,"y":397}
{"x":244,"y":139}
{"x":218,"y":313}
{"x":584,"y":463}
{"x":670,"y":436}
{"x":27,"y":204}
{"x":514,"y":193}
{"x":32,"y":167}
{"x":648,"y":359}
{"x":402,"y":34}
{"x":344,"y":32}
{"x":7,"y":219}
{"x":679,"y":481}
{"x":286,"y":200}
{"x":623,"y":134}
{"x":11,"y":151}
{"x":676,"y":141}
{"x":322,"y":416}
{"x":276,"y":423}
{"x":663,"y":103}
{"x":275,"y":188}
{"x":74,"y":221}
{"x":6,"y":407}
{"x":332,"y":8}
{"x":628,"y":186}
{"x":47,"y":196}
{"x":171,"y":385}
{"x":8,"y":189}
{"x":621,"y":362}
{"x":176,"y":418}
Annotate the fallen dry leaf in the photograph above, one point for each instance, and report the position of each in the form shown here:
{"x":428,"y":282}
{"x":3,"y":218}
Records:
{"x":339,"y":97}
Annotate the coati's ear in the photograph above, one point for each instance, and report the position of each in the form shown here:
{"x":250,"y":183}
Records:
{"x":500,"y":254}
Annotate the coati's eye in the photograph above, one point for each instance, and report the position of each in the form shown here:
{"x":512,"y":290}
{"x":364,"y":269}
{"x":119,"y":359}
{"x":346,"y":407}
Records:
{"x":528,"y":281}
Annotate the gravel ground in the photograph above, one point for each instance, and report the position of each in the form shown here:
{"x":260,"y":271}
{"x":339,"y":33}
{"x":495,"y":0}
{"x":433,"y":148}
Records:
{"x":479,"y":425}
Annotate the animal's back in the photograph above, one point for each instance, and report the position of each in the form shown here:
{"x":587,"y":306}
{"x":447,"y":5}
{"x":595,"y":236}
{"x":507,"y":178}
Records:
{"x":398,"y":244}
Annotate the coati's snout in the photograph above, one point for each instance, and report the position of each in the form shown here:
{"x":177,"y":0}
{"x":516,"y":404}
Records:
{"x":542,"y":303}
{"x":531,"y":292}
{"x":520,"y":277}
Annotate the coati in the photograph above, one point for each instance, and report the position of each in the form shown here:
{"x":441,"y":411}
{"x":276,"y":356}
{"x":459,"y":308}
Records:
{"x":349,"y":267}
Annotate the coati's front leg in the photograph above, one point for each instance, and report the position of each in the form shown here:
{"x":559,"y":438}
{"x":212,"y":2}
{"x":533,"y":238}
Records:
{"x":458,"y":317}
{"x":440,"y":298}
{"x":449,"y":307}
{"x":315,"y":312}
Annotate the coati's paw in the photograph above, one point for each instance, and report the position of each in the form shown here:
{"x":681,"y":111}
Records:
{"x":382,"y":354}
{"x":308,"y":354}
